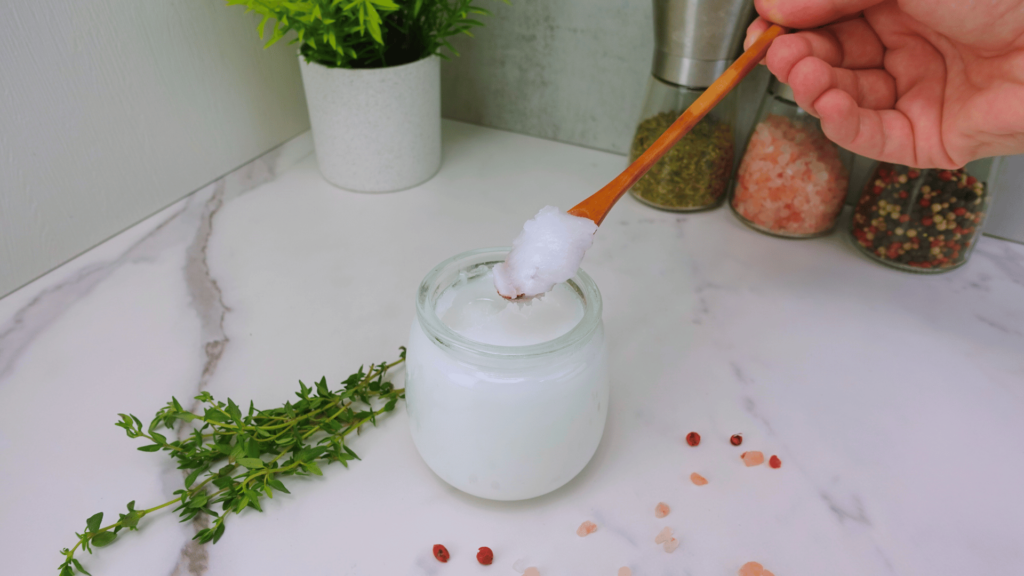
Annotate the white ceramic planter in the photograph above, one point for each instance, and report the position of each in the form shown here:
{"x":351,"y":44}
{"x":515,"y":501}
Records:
{"x":376,"y":129}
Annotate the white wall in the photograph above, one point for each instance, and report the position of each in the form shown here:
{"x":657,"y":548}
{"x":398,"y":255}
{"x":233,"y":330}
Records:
{"x":1006,"y":220}
{"x":113,"y":109}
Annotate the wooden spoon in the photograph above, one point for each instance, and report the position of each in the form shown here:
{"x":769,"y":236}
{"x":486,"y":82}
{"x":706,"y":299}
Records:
{"x":597,"y":206}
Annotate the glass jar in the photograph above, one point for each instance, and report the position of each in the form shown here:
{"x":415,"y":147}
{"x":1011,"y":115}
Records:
{"x":862,"y":171}
{"x":695,"y":173}
{"x":792,"y":181}
{"x":922,"y":220}
{"x":505,"y":422}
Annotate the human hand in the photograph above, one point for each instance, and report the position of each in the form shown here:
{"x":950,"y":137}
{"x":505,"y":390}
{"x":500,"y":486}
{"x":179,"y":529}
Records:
{"x":924,"y":83}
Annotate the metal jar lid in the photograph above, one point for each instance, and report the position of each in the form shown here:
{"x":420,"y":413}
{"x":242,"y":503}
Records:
{"x":696,"y":40}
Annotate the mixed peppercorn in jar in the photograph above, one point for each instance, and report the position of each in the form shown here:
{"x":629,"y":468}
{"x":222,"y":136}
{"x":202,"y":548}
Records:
{"x":920,"y":220}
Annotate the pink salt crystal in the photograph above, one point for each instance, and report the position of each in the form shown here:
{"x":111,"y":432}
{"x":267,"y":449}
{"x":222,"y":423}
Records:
{"x":661,"y":510}
{"x":698,"y":479}
{"x":587,"y":527}
{"x":791,"y":179}
{"x":664,"y":536}
{"x":531,"y":571}
{"x":752,"y":458}
{"x":671,"y":545}
{"x":625,"y":571}
{"x":753,"y":569}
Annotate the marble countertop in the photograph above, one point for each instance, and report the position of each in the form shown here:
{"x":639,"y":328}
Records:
{"x":895,"y":401}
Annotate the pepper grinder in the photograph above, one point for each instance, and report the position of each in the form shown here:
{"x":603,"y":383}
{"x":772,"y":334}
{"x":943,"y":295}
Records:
{"x":695,"y":41}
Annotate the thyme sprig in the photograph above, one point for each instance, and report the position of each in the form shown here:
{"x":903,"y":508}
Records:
{"x":243,"y":455}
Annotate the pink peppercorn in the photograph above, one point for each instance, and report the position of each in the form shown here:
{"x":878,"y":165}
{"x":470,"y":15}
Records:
{"x":441,"y":553}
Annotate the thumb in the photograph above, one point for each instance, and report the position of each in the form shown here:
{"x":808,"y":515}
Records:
{"x":809,"y":13}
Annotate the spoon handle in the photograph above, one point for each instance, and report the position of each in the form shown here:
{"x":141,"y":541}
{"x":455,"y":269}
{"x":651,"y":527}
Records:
{"x":597,"y":206}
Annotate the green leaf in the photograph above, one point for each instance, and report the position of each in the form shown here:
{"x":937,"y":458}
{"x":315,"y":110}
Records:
{"x":234,"y":411}
{"x":250,"y":463}
{"x":321,"y":388}
{"x":198,"y":501}
{"x":353,"y":454}
{"x":277,"y":485}
{"x":214,"y":415}
{"x":67,"y":571}
{"x":94,"y":521}
{"x":150,"y":448}
{"x":312,"y":468}
{"x":103,"y":539}
{"x":79,"y":566}
{"x":307,"y":454}
{"x":262,"y":25}
{"x":130,"y":520}
{"x":254,"y":499}
{"x":191,"y":478}
{"x":158,"y":438}
{"x":252,"y":448}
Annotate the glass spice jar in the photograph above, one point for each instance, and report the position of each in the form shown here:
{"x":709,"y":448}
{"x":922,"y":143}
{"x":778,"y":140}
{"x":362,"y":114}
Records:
{"x":695,"y":173}
{"x":695,"y":41}
{"x":922,"y":220}
{"x":792,"y":181}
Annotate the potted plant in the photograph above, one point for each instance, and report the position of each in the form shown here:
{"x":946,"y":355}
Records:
{"x":372,"y":76}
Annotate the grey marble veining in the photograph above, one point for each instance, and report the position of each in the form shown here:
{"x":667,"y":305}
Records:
{"x":190,"y":220}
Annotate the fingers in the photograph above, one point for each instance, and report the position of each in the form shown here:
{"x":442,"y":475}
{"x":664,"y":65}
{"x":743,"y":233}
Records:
{"x":809,"y":13}
{"x":886,"y":135}
{"x":881,"y":134}
{"x":812,"y":77}
{"x":754,"y":30}
{"x":852,"y":44}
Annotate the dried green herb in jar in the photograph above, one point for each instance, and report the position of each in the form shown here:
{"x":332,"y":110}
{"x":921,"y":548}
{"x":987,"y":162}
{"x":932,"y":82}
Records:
{"x":694,"y":174}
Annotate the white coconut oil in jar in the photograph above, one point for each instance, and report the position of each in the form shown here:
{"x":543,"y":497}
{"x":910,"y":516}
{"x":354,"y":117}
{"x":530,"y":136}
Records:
{"x":506,"y":400}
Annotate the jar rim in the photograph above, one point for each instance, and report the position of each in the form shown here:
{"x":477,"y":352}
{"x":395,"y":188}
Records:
{"x":440,"y":278}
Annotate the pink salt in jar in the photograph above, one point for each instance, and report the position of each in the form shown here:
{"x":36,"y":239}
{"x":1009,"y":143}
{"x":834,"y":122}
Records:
{"x":792,"y":181}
